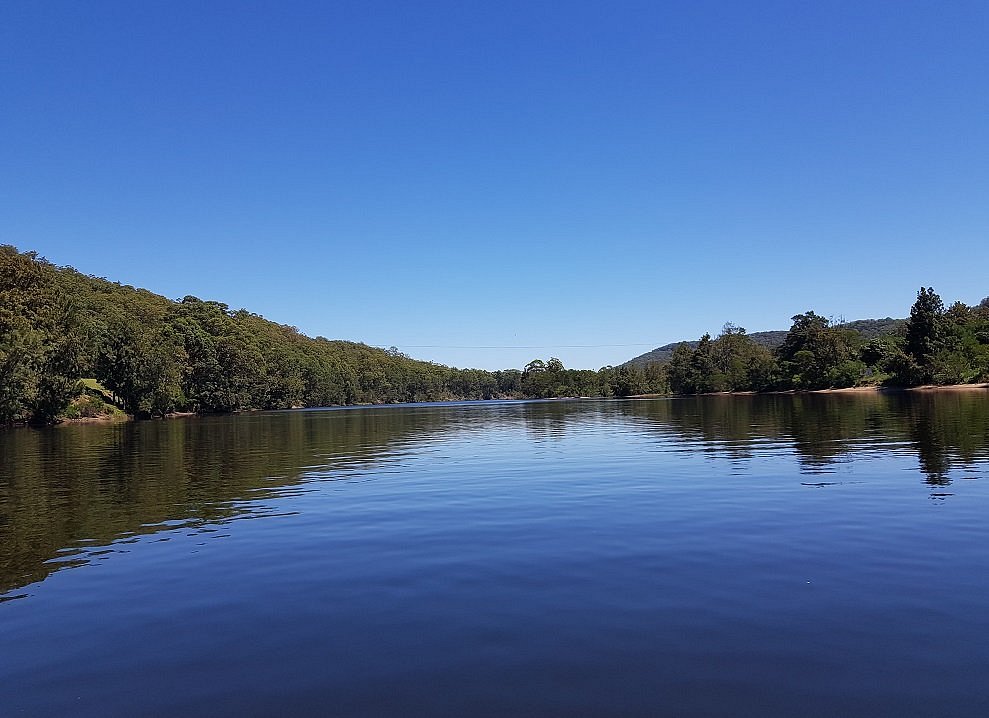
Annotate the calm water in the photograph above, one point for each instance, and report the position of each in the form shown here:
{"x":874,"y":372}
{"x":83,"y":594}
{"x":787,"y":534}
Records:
{"x":724,"y":556}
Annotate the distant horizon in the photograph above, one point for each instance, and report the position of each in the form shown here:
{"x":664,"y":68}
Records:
{"x":464,"y":180}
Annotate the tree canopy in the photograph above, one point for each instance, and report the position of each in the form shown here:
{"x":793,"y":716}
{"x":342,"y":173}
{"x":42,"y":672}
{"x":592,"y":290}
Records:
{"x":150,"y":355}
{"x":936,"y":345}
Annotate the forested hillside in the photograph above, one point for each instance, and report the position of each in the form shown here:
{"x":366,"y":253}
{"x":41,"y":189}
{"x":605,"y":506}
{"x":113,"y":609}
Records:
{"x":75,"y":346}
{"x":867,"y":328}
{"x":934,"y":346}
{"x":151,"y":356}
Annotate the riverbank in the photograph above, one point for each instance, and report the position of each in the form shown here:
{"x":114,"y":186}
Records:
{"x":118,"y":417}
{"x":897,"y":389}
{"x":926,"y":388}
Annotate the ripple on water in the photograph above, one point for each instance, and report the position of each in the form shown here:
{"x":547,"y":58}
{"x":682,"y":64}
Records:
{"x":711,"y":556}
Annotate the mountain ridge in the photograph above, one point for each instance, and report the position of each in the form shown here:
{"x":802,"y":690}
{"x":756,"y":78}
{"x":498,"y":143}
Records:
{"x":868,"y":328}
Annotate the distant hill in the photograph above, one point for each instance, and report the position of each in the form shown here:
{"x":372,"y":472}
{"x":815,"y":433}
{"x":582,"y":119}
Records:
{"x":868,"y":328}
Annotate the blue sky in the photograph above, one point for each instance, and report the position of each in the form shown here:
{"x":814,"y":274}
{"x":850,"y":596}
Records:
{"x":435,"y":175}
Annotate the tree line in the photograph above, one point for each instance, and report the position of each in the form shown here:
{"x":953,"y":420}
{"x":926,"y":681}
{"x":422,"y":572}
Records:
{"x":936,"y":345}
{"x":150,"y":356}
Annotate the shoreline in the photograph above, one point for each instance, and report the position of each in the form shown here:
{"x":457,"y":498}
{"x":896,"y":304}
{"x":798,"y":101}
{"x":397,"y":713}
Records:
{"x":923,"y":389}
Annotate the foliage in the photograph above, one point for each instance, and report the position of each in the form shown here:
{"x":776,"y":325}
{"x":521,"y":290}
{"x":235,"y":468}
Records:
{"x":90,"y":406}
{"x":40,"y":343}
{"x":819,"y":354}
{"x":151,"y":356}
{"x":865,"y":328}
{"x":936,"y":345}
{"x":732,"y":362}
{"x":945,"y":346}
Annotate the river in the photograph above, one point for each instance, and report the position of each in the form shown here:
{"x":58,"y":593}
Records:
{"x":815,"y":555}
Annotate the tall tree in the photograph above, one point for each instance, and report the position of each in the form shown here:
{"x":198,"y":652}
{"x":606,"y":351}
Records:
{"x":927,"y":327}
{"x":680,"y":371}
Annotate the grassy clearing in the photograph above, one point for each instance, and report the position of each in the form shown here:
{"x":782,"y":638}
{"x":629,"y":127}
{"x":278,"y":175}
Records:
{"x":94,"y":401}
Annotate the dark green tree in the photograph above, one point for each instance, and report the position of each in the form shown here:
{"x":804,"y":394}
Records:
{"x":927,"y":328}
{"x":818,"y":354}
{"x":680,"y":370}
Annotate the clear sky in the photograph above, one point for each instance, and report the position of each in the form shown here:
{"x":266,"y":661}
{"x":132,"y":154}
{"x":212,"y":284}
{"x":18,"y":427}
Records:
{"x":435,"y":175}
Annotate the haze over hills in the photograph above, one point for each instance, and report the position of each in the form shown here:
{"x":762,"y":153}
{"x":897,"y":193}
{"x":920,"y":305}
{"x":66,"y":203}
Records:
{"x":868,"y":328}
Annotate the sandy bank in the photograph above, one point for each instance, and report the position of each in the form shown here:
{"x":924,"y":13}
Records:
{"x":932,"y":388}
{"x":950,"y":387}
{"x":897,"y":389}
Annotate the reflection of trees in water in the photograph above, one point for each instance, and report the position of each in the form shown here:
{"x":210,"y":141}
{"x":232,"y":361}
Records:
{"x":66,"y":487}
{"x":715,"y":423}
{"x":931,"y":451}
{"x":547,"y":420}
{"x":948,"y":431}
{"x":101,"y":483}
{"x":819,"y":426}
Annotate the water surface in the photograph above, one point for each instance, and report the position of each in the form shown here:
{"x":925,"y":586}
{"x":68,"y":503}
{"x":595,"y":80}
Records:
{"x":763,"y":556}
